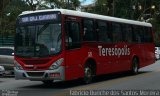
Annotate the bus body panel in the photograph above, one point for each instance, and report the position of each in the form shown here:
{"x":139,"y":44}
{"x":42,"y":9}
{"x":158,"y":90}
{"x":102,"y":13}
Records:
{"x":73,"y":64}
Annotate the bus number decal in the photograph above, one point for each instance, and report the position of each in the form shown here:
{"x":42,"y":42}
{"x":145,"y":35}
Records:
{"x":89,"y":54}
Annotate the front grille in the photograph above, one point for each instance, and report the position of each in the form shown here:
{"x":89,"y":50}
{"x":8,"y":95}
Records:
{"x":35,"y":74}
{"x":34,"y":62}
{"x":38,"y":68}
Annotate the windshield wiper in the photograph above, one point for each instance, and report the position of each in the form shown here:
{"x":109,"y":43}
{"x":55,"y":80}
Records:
{"x":43,"y":28}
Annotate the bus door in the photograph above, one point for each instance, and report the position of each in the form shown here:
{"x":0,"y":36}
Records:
{"x":73,"y":47}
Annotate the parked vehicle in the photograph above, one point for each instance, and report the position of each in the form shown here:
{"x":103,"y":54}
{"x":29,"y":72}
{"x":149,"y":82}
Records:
{"x":157,"y":53}
{"x":2,"y":71}
{"x":7,"y":58}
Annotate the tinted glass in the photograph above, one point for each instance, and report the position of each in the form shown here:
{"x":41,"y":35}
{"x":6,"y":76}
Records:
{"x":116,"y":32}
{"x":38,"y":40}
{"x":6,"y":51}
{"x":103,"y":32}
{"x":89,"y":33}
{"x":127,"y":33}
{"x":72,"y":32}
{"x":136,"y":34}
{"x":148,"y":35}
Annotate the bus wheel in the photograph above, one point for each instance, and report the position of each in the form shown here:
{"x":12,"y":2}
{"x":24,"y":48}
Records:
{"x":47,"y":82}
{"x":88,"y":74}
{"x":135,"y":66}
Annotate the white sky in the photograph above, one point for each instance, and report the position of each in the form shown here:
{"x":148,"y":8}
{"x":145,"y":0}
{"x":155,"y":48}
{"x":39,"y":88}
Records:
{"x":87,"y":2}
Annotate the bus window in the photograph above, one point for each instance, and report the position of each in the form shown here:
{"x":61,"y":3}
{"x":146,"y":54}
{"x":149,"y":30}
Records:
{"x":72,"y":35}
{"x":127,"y":33}
{"x":103,"y":32}
{"x":116,"y":32}
{"x":141,"y":33}
{"x":136,"y":34}
{"x":89,"y":33}
{"x":148,"y":35}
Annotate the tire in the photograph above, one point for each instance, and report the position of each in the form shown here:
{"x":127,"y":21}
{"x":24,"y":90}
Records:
{"x":88,"y":74}
{"x":47,"y":82}
{"x":135,"y":68}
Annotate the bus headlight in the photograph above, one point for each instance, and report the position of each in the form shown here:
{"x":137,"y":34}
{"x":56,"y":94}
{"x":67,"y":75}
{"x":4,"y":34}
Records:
{"x":17,"y":65}
{"x":56,"y":64}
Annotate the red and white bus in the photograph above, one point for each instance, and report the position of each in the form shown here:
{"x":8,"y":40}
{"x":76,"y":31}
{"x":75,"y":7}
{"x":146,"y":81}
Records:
{"x":60,"y":44}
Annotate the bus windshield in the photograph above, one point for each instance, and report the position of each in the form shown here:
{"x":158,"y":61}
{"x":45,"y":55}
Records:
{"x":38,"y":40}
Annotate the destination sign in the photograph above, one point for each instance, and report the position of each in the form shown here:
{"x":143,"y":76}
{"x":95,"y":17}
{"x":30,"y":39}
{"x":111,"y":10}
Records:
{"x":38,"y":18}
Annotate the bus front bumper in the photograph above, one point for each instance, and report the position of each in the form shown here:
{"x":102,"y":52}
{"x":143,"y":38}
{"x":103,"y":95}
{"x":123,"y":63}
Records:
{"x":57,"y":74}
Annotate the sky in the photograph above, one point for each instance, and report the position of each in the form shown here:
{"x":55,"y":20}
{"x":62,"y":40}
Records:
{"x":87,"y":2}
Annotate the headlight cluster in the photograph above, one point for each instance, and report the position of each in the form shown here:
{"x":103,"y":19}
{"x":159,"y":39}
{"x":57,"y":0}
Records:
{"x":18,"y":66}
{"x":56,"y":64}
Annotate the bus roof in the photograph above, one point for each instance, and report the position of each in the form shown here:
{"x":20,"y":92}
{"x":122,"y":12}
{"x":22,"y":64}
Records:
{"x":90,"y":15}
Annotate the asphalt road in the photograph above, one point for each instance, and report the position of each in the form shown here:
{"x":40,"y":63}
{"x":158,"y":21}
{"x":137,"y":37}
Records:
{"x":147,"y":79}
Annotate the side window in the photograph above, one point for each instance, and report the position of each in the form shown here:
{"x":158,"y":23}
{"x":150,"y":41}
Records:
{"x":136,"y":34}
{"x":148,"y":35}
{"x":103,"y":32}
{"x":9,"y":52}
{"x":72,"y":34}
{"x":141,"y":33}
{"x":89,"y":33}
{"x":5,"y":51}
{"x":2,"y":52}
{"x":116,"y":32}
{"x":127,"y":33}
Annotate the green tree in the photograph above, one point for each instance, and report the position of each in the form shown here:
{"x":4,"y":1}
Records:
{"x":3,"y":4}
{"x":10,"y":13}
{"x":130,"y":9}
{"x":75,"y":4}
{"x":142,"y":10}
{"x":72,"y":4}
{"x":101,"y":7}
{"x":33,"y":3}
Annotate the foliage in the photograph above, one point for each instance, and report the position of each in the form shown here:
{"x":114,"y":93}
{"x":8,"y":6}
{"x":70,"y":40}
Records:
{"x":9,"y":15}
{"x":3,"y":4}
{"x":10,"y":9}
{"x":142,"y":10}
{"x":67,"y":4}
